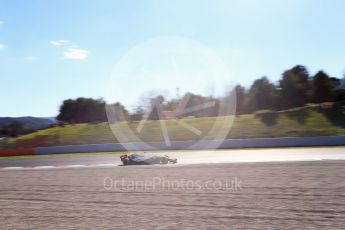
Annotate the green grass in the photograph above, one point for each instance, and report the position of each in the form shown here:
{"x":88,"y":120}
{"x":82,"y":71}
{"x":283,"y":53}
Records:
{"x":289,"y":123}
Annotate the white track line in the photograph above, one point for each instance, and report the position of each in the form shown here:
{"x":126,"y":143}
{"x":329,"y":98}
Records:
{"x":58,"y":167}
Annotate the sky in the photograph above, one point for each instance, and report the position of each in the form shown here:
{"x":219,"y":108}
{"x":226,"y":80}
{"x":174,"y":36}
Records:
{"x":121,"y":50}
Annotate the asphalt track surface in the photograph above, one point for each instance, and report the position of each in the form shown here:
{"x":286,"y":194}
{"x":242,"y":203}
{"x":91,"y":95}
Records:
{"x":284,"y":189}
{"x":187,"y":157}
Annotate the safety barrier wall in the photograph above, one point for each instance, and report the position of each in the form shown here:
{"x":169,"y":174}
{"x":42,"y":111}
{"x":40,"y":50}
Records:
{"x":205,"y":144}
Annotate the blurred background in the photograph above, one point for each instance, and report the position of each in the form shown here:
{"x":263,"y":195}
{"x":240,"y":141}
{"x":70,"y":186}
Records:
{"x":285,"y":67}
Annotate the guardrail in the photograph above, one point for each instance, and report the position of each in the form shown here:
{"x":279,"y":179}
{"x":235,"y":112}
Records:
{"x":205,"y":144}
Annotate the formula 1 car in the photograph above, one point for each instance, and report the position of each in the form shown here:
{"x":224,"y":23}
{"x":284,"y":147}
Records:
{"x":137,"y":159}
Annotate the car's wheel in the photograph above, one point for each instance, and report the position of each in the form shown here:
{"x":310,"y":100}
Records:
{"x":164,"y":160}
{"x":174,"y":161}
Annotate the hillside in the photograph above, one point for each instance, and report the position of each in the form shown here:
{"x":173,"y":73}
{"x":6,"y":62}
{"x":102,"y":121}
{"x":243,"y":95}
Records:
{"x":28,"y":122}
{"x":307,"y":121}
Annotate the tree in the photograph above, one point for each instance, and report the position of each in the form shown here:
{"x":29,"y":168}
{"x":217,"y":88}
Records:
{"x":171,"y":105}
{"x":262,"y":95}
{"x":322,"y":87}
{"x":197,"y":105}
{"x":156,"y":105}
{"x":137,"y":115}
{"x":240,"y":99}
{"x":118,"y":112}
{"x":295,"y":86}
{"x":82,"y":110}
{"x":14,"y":129}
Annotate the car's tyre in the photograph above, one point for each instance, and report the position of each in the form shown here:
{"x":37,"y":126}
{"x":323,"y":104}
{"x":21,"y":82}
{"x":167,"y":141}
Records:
{"x":164,"y":160}
{"x":125,"y":161}
{"x":174,"y":161}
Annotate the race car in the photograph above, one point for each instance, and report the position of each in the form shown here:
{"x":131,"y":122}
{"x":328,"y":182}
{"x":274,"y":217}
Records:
{"x":137,"y":159}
